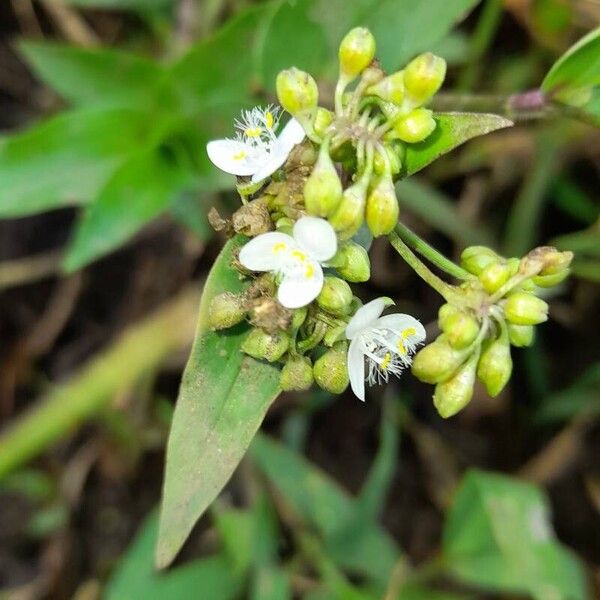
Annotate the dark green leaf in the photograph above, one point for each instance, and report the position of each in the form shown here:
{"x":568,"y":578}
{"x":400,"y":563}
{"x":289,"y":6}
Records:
{"x":453,"y":129}
{"x":67,"y":159}
{"x":100,"y":76}
{"x":223,"y":399}
{"x":138,"y":192}
{"x":498,"y":536}
{"x":211,"y":577}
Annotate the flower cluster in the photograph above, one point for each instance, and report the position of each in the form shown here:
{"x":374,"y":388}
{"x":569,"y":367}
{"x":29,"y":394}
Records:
{"x":498,"y":307}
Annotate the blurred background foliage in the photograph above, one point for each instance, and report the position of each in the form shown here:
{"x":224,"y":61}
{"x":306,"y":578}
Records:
{"x":105,"y":108}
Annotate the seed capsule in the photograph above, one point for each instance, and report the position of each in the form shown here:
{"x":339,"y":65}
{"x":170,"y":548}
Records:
{"x":382,"y":207}
{"x":296,"y":374}
{"x":323,"y":189}
{"x":454,"y":394}
{"x":356,"y":51}
{"x":355,"y":265}
{"x":522,"y":308}
{"x":335,"y":296}
{"x":267,"y":346}
{"x":437,"y":361}
{"x":297,"y":91}
{"x":225,"y":310}
{"x":520,"y":335}
{"x":331,"y":370}
{"x":424,"y":76}
{"x":415,"y":126}
{"x":495,"y":365}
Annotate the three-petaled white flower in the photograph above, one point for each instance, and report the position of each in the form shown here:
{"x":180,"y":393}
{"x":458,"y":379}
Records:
{"x":296,"y":259}
{"x":387,"y":343}
{"x":256,"y":150}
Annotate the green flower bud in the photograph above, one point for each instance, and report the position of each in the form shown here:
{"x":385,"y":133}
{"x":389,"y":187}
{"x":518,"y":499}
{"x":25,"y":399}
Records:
{"x":382,"y":207}
{"x":446,"y":312}
{"x":393,"y":163}
{"x":415,"y":126}
{"x":454,"y":394}
{"x":225,"y":310}
{"x":268,"y":346}
{"x":520,"y":335}
{"x":495,"y":365}
{"x":390,"y":89}
{"x":424,"y":76}
{"x":323,"y":189}
{"x":285,"y":225}
{"x":546,"y":281}
{"x":350,"y":214}
{"x":476,"y":258}
{"x":331,"y":369}
{"x":494,"y":276}
{"x":336,"y":296}
{"x":437,"y":361}
{"x":323,"y":120}
{"x":296,"y":375}
{"x":556,"y":262}
{"x":522,"y":308}
{"x":297,"y":91}
{"x":355,"y":265}
{"x":299,"y":317}
{"x":461,"y":329}
{"x":513,"y":265}
{"x":356,"y":52}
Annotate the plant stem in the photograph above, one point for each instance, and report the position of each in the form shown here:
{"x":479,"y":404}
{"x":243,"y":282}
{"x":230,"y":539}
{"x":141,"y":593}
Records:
{"x":431,"y":254}
{"x":447,"y":291}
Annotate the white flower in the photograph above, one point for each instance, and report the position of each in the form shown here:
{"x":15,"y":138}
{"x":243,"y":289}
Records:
{"x":256,"y":150}
{"x":387,"y":343}
{"x":295,"y":259}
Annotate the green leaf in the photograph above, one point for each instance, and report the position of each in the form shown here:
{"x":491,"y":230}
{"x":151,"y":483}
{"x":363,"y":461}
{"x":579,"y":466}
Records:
{"x":271,"y":583}
{"x":353,"y":541}
{"x":578,"y":67}
{"x":586,"y":242}
{"x":439,"y":211}
{"x":453,"y":129}
{"x":135,"y":578}
{"x":418,"y":592}
{"x":66,"y":159}
{"x":222,"y":401}
{"x":100,"y":76}
{"x":237,"y":530}
{"x":498,"y":536}
{"x":141,"y":5}
{"x":138,"y":192}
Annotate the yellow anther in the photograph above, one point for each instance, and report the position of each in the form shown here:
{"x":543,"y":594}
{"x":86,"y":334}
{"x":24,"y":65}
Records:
{"x":310,"y":271}
{"x":401,"y":347}
{"x":269,"y":120}
{"x":279,"y":247}
{"x":299,"y":255}
{"x":408,"y":332}
{"x":386,"y":361}
{"x":239,"y":155}
{"x":252,"y":131}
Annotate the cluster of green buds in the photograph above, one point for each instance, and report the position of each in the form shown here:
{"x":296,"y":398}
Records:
{"x":496,"y":308}
{"x":365,"y":134}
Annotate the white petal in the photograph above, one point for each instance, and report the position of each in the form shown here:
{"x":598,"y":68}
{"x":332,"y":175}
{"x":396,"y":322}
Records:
{"x":316,"y":236}
{"x":292,"y":134}
{"x":399,"y":323}
{"x":231,"y":156}
{"x":301,"y":288}
{"x":267,"y":251}
{"x":365,"y":315}
{"x":356,"y":369}
{"x":277,"y":157}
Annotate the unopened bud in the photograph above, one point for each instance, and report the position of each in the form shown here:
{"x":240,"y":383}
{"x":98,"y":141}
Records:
{"x":415,"y":126}
{"x":298,"y":317}
{"x":556,"y":262}
{"x":356,"y":52}
{"x":437,"y":361}
{"x":445,"y":313}
{"x":495,"y":365}
{"x":476,"y":258}
{"x":546,"y":281}
{"x":424,"y":76}
{"x":268,"y":346}
{"x":520,"y":335}
{"x":297,"y":91}
{"x":454,"y":394}
{"x":350,"y":214}
{"x":391,"y":162}
{"x":354,"y":263}
{"x":522,"y":308}
{"x":285,"y":225}
{"x":331,"y":369}
{"x":225,"y":310}
{"x":323,"y":189}
{"x":494,"y":276}
{"x":390,"y":89}
{"x":461,"y":329}
{"x":323,"y":120}
{"x":382,"y":207}
{"x":335,"y":296}
{"x":296,"y":374}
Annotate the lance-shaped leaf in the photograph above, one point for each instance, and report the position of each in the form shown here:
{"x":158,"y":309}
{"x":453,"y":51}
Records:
{"x":453,"y":129}
{"x":223,"y":399}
